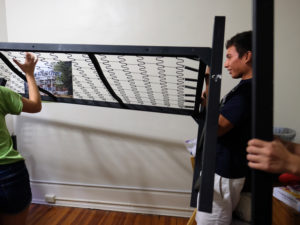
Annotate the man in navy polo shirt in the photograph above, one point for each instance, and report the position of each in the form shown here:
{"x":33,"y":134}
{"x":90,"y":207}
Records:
{"x":233,"y":133}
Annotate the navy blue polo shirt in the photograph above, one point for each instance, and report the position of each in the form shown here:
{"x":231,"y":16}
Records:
{"x":231,"y":159}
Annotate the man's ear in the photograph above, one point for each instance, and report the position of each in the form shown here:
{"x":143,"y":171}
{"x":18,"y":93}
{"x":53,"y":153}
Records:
{"x":248,"y":57}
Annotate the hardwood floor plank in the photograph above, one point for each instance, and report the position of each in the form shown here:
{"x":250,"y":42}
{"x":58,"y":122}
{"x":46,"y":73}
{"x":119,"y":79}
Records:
{"x":129,"y":218}
{"x":38,"y":213}
{"x":155,"y":220}
{"x":70,"y":218}
{"x":58,"y":215}
{"x":98,"y":217}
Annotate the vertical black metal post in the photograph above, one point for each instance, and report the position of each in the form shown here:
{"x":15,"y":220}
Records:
{"x":262,"y":104}
{"x":200,"y":116}
{"x":212,"y":114}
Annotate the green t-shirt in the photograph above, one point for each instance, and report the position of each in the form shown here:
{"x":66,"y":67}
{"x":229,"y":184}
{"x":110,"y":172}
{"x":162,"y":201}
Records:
{"x":10,"y":103}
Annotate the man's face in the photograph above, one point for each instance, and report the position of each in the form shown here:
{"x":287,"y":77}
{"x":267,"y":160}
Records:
{"x":234,"y":64}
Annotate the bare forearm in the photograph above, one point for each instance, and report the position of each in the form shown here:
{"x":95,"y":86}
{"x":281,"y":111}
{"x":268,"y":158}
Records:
{"x":293,"y":166}
{"x":293,"y":159}
{"x":296,"y":148}
{"x":33,"y":104}
{"x":292,"y":147}
{"x":34,"y":94}
{"x":206,"y":78}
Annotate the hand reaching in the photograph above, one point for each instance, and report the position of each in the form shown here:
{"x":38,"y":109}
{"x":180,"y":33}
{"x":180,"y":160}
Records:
{"x":33,"y":103}
{"x":29,"y":65}
{"x":271,"y":156}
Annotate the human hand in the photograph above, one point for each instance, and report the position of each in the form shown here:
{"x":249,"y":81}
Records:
{"x":268,"y":156}
{"x":29,"y":65}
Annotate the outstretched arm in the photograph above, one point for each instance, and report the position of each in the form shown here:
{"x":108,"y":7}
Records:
{"x":33,"y":104}
{"x":273,"y":156}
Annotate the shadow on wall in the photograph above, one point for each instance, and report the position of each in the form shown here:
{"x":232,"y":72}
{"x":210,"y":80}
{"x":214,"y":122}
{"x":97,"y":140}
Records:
{"x":64,"y":152}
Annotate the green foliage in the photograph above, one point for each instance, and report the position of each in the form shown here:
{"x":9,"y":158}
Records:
{"x":65,"y":80}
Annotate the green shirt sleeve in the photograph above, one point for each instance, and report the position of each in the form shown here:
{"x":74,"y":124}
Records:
{"x":10,"y":102}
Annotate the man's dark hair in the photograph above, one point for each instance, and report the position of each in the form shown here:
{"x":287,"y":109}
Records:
{"x":242,"y":42}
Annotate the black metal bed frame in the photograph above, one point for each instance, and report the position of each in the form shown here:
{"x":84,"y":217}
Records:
{"x":203,"y":53}
{"x":206,"y":55}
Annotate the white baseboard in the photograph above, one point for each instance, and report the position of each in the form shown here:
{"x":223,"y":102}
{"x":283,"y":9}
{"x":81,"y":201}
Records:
{"x":115,"y":198}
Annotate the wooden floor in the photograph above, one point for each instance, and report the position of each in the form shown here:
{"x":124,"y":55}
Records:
{"x":57,"y":215}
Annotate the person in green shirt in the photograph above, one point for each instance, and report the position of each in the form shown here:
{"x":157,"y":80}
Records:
{"x":15,"y":192}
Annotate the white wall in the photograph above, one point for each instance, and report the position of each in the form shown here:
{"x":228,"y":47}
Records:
{"x":109,"y":158}
{"x":3,"y":29}
{"x":287,"y":74}
{"x":129,"y":22}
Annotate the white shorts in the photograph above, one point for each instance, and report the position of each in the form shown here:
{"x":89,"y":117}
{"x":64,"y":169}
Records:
{"x":226,"y":197}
